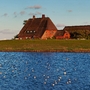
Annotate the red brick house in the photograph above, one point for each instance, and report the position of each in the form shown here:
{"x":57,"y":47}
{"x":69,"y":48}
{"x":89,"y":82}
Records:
{"x":41,"y":28}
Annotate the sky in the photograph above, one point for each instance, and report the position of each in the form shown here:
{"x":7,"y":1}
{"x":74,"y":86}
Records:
{"x":61,"y":12}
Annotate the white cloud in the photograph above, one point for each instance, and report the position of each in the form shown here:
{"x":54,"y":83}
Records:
{"x":60,"y":25}
{"x":7,"y":34}
{"x":6,"y":31}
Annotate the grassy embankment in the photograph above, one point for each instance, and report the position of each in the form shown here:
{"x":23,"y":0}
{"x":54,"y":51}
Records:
{"x":46,"y":45}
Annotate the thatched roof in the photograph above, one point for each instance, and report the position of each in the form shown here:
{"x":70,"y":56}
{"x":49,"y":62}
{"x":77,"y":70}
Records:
{"x":36,"y":27}
{"x":75,"y":28}
{"x":59,"y":33}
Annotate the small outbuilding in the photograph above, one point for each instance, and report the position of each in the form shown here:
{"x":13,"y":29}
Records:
{"x":61,"y":34}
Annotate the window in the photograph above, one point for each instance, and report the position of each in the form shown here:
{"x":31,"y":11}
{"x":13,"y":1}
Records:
{"x":30,"y":31}
{"x":34,"y":31}
{"x":27,"y":31}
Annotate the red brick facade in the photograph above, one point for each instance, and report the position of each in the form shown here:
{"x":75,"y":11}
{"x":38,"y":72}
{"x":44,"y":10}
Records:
{"x":65,"y":35}
{"x":48,"y":34}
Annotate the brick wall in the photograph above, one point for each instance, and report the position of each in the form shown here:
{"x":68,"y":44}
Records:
{"x":48,"y":34}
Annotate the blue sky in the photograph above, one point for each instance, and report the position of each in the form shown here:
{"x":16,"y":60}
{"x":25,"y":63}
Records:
{"x":62,"y":13}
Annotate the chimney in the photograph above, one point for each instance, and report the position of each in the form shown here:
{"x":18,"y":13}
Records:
{"x":33,"y":16}
{"x":43,"y":16}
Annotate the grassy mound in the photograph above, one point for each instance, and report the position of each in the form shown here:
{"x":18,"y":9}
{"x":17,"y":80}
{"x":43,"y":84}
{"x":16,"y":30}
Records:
{"x":50,"y":45}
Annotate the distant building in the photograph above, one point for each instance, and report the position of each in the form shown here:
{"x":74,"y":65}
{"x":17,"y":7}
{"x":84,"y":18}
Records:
{"x":44,"y":28}
{"x":78,"y":31}
{"x":61,"y":34}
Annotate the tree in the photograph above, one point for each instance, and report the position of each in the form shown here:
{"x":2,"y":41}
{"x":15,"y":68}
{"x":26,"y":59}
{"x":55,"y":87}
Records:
{"x":24,"y":22}
{"x":75,"y":35}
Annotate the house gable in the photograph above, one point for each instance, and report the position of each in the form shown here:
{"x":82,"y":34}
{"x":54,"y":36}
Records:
{"x":48,"y":34}
{"x":50,"y":30}
{"x":61,"y":34}
{"x":36,"y":27}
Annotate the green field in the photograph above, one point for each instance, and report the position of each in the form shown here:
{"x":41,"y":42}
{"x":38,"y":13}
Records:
{"x":50,"y":45}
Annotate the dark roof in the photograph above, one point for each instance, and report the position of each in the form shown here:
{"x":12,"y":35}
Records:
{"x":83,"y":27}
{"x":36,"y":27}
{"x":59,"y":33}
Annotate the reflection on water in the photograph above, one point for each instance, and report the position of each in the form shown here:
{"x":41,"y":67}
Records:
{"x":44,"y":71}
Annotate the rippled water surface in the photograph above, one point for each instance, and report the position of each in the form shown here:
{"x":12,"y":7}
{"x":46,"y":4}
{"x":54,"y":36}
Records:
{"x":44,"y":71}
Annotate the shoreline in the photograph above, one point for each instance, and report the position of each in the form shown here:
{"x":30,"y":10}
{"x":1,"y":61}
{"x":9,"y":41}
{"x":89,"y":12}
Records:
{"x":47,"y":51}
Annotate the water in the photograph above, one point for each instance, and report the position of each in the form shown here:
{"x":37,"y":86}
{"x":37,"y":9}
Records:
{"x":44,"y":71}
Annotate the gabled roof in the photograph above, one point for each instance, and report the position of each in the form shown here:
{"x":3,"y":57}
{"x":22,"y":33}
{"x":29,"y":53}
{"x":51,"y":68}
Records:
{"x":36,"y":27}
{"x":50,"y":25}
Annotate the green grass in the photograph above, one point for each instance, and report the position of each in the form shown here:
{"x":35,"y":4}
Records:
{"x":46,"y":45}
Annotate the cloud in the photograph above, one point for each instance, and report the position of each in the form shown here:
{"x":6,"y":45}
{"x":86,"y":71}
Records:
{"x":69,"y":11}
{"x":7,"y":34}
{"x":36,"y":13}
{"x":22,"y":12}
{"x":34,"y":7}
{"x":15,"y":14}
{"x":85,"y":22}
{"x":5,"y":15}
{"x":60,"y":25}
{"x":31,"y":14}
{"x":6,"y":31}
